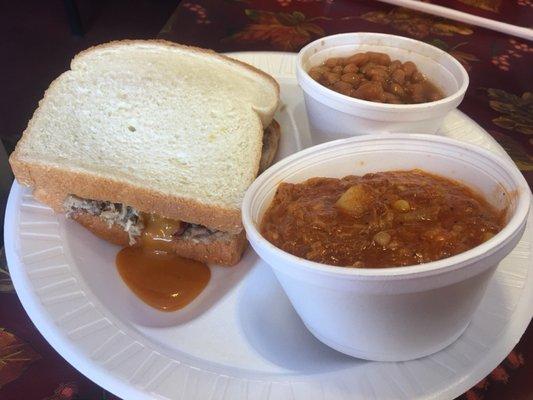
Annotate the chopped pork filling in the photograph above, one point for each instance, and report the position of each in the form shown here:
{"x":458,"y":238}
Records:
{"x":131,"y":220}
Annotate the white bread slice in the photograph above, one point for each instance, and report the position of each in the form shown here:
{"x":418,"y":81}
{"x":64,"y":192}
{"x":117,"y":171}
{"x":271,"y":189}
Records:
{"x":165,"y":128}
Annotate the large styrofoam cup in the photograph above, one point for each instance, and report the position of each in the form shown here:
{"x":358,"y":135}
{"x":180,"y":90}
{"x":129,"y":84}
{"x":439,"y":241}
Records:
{"x":400,"y":313}
{"x":334,"y":116}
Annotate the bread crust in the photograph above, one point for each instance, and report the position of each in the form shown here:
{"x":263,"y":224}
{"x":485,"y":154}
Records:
{"x":271,"y":139}
{"x":223,"y":252}
{"x":53,"y":185}
{"x":112,"y":233}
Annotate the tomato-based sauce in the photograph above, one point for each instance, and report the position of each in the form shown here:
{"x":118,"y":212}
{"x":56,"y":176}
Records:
{"x":378,"y":220}
{"x":162,"y":280}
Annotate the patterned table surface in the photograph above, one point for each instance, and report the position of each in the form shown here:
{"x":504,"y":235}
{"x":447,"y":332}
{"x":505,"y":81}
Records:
{"x":499,"y":98}
{"x":516,"y":12}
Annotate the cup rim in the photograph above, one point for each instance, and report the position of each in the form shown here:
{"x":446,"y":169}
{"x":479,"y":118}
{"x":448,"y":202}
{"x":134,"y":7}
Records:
{"x":304,"y":77}
{"x":448,"y":264}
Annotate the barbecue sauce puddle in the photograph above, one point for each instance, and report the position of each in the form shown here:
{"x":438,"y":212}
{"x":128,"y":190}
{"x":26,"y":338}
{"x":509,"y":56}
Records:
{"x":156,"y":275}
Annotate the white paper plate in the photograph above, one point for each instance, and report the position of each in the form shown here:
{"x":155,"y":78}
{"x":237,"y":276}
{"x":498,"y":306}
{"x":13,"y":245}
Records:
{"x":241,"y":338}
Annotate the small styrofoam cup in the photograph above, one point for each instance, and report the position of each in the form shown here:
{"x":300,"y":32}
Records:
{"x":334,"y":116}
{"x":399,"y":313}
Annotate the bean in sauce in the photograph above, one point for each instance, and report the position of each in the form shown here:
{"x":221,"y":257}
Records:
{"x":375,"y":77}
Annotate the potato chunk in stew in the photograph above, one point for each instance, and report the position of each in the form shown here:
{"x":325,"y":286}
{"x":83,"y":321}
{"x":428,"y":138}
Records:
{"x":357,"y":200}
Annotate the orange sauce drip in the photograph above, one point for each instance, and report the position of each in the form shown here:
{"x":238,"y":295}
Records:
{"x":155,"y":274}
{"x":158,"y":231}
{"x":162,"y":280}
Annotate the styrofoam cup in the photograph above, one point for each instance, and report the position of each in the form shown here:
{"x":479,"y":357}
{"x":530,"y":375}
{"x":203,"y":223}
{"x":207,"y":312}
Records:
{"x":334,"y":116}
{"x":400,"y":313}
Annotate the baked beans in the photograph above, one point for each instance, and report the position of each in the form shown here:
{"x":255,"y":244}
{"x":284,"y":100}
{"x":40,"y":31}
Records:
{"x":375,"y":77}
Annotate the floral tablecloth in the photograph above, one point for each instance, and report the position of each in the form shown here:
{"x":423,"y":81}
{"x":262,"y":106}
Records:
{"x":499,"y":99}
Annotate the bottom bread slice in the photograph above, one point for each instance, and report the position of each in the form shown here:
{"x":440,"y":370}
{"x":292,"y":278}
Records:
{"x":224,"y":251}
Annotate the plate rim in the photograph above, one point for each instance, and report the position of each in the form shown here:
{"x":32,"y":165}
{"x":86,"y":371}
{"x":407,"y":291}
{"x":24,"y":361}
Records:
{"x":95,"y":371}
{"x":38,"y":315}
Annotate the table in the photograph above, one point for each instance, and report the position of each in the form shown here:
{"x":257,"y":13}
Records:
{"x":499,"y":98}
{"x":519,"y":12}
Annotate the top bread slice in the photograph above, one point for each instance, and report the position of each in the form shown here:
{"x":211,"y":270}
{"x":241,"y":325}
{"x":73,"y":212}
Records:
{"x":165,"y":128}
